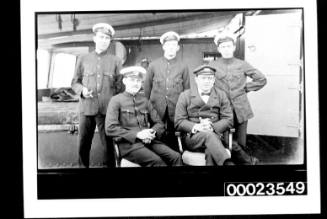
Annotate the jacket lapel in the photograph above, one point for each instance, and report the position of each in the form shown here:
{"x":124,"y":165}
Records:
{"x":197,"y":100}
{"x":195,"y":97}
{"x":213,"y":99}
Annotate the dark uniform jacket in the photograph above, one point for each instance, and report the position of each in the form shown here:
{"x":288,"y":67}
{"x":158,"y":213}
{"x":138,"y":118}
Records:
{"x":127,"y":115}
{"x":190,"y":107}
{"x":231,"y":77}
{"x":99,"y":73}
{"x":164,"y":82}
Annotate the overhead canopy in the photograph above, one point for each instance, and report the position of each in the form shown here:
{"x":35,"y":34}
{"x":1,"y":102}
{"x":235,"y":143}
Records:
{"x":59,"y":28}
{"x":53,"y":29}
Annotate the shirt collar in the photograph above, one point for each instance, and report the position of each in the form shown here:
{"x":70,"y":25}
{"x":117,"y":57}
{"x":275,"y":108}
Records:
{"x":201,"y":91}
{"x":227,"y":61}
{"x":131,"y":95}
{"x":173,"y":60}
{"x":100,"y":54}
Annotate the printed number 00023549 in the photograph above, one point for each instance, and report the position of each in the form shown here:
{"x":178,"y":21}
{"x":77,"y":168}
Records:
{"x":264,"y":188}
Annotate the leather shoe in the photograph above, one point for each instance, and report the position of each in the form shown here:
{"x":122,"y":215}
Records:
{"x":254,"y":160}
{"x":240,"y":157}
{"x":229,"y":162}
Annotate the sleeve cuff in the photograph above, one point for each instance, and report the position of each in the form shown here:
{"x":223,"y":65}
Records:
{"x":193,"y":131}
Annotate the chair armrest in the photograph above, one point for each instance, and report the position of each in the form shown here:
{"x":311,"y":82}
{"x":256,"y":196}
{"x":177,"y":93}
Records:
{"x":230,"y":138}
{"x":117,"y":139}
{"x":177,"y":134}
{"x":180,"y":147}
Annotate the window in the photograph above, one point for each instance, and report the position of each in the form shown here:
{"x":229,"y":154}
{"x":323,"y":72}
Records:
{"x":43,"y":61}
{"x":210,"y":56}
{"x":63,"y":70}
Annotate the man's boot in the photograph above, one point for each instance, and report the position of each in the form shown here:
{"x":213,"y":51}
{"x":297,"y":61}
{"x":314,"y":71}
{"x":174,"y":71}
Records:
{"x":240,"y":157}
{"x":228,"y":162}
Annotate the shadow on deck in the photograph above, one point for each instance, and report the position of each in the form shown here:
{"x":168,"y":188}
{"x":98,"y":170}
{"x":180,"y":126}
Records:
{"x":276,"y":150}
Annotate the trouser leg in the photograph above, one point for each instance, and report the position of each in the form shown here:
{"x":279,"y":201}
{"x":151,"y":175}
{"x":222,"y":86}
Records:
{"x":216,"y":148}
{"x":169,"y":139}
{"x":168,"y":155}
{"x":209,"y":159}
{"x":211,"y":144}
{"x":239,"y":156}
{"x":240,"y":131}
{"x":107,"y":144}
{"x":85,"y":136}
{"x":145,"y":157}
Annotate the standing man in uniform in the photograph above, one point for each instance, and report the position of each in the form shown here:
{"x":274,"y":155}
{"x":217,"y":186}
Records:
{"x":231,"y":75}
{"x":96,"y":80}
{"x":145,"y":63}
{"x":203,"y":114}
{"x":132,"y":117}
{"x":166,"y":78}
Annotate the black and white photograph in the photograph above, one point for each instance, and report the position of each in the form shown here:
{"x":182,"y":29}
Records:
{"x":154,"y":110}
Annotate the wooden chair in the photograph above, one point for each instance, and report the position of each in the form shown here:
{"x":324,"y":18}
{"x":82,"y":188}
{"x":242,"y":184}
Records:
{"x":192,"y":158}
{"x":120,"y":161}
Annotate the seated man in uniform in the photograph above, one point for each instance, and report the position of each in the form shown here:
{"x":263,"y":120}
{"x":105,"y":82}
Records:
{"x":204,"y":113}
{"x":132,"y":117}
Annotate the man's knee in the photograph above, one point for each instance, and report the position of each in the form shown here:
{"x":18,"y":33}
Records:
{"x":157,"y":161}
{"x":207,"y":135}
{"x":236,"y":147}
{"x":176,"y":159}
{"x":213,"y":143}
{"x":177,"y":155}
{"x":211,"y":137}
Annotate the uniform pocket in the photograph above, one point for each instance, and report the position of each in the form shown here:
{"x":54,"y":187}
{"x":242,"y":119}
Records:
{"x":237,"y":75}
{"x":192,"y":112}
{"x":127,"y":111}
{"x":109,"y":76}
{"x":88,"y":73}
{"x":242,"y":107}
{"x":214,"y":113}
{"x":87,"y":78}
{"x":178,"y":85}
{"x":158,"y":85}
{"x":126,"y":116}
{"x":145,"y":115}
{"x":157,"y":81}
{"x":220,"y":74}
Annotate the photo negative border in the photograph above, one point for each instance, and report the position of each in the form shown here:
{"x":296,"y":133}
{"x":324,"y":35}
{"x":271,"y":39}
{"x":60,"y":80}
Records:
{"x":162,"y":191}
